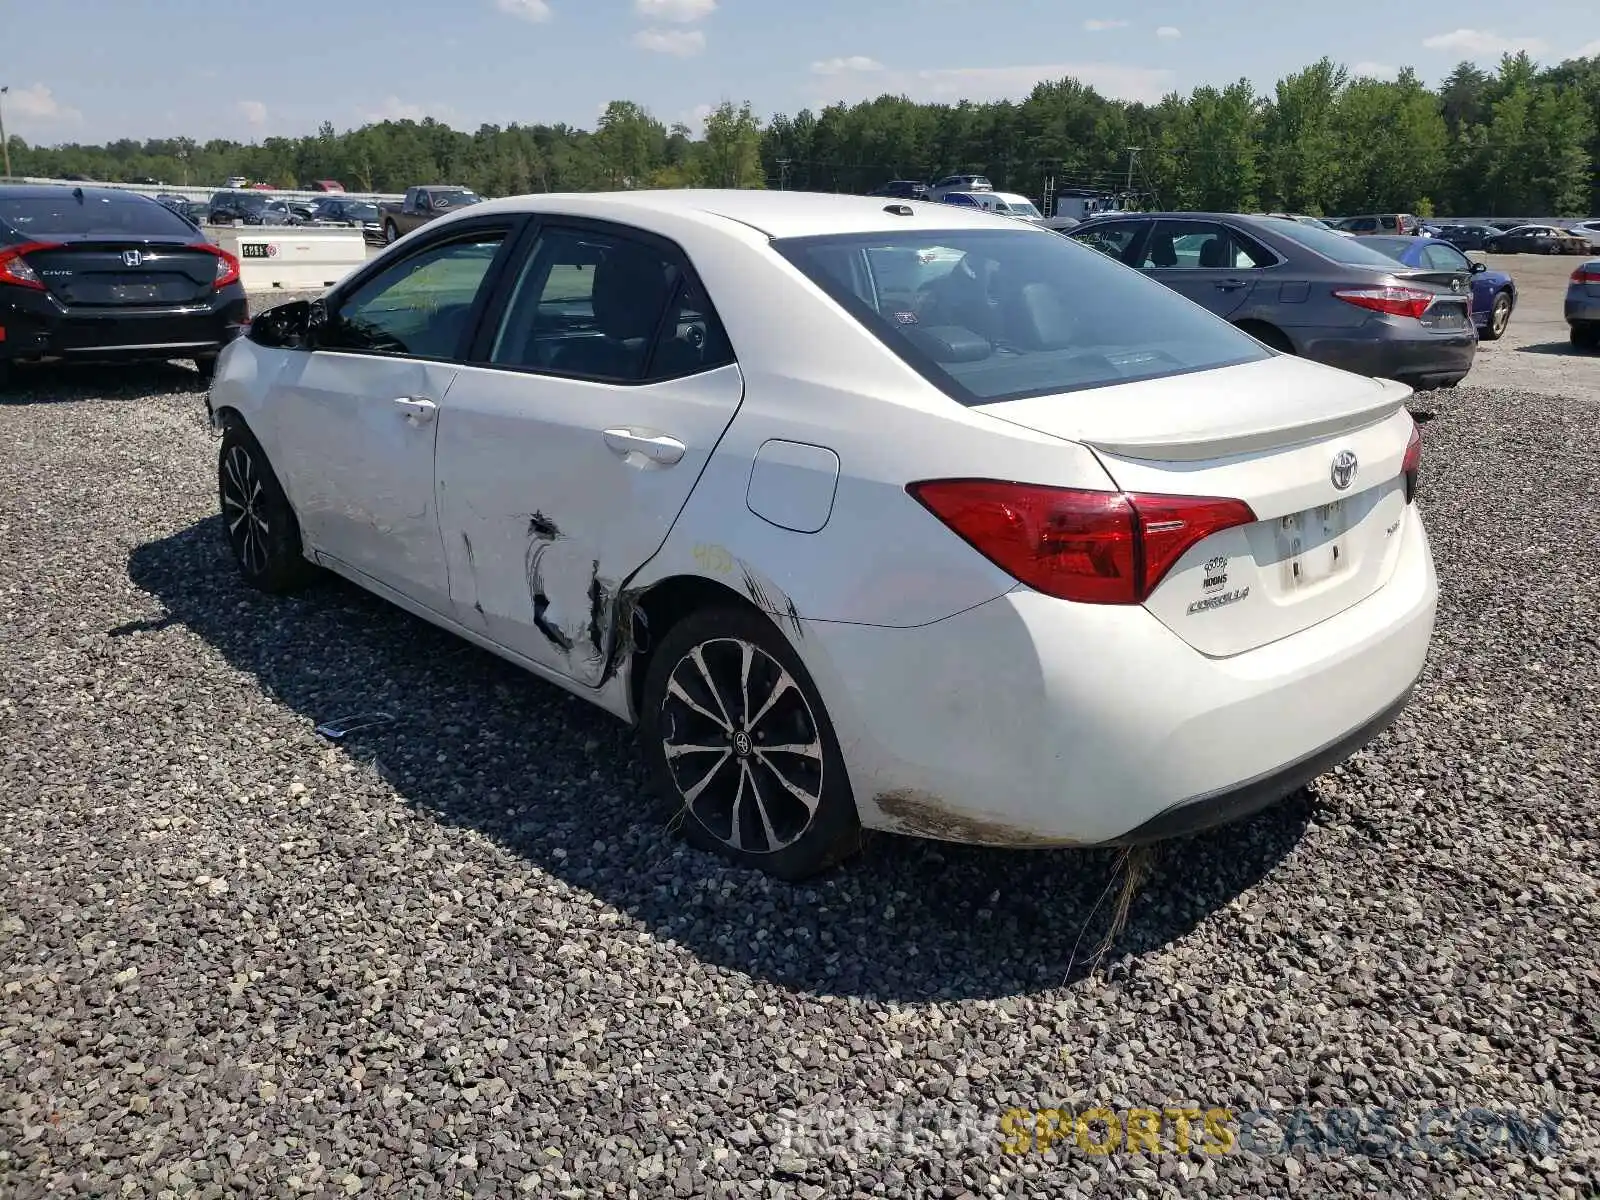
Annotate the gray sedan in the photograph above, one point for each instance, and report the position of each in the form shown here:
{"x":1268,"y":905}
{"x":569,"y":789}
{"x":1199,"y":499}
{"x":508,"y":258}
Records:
{"x":1304,"y":290}
{"x":1583,"y":305}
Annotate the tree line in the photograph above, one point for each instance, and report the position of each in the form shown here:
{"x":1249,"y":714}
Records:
{"x":1520,"y":140}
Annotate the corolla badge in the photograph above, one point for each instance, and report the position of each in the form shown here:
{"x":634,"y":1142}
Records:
{"x":1343,"y":473}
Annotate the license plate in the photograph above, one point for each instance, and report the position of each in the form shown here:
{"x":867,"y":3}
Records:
{"x":133,"y":292}
{"x":253,"y":250}
{"x":1312,"y":545}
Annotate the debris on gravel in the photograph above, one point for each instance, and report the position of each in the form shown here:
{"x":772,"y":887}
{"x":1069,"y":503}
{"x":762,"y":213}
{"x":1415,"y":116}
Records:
{"x":461,"y":954}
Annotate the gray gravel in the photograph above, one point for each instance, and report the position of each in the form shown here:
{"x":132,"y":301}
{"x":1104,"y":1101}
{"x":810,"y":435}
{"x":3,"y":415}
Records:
{"x":462,"y":956}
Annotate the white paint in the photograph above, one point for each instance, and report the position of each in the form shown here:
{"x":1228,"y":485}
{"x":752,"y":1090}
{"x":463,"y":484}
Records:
{"x":792,"y":485}
{"x":942,"y":675}
{"x":295,"y":258}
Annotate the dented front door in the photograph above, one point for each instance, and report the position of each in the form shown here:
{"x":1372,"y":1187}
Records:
{"x":553,"y":491}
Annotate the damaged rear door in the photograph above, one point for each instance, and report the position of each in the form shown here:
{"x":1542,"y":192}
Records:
{"x":574,"y":438}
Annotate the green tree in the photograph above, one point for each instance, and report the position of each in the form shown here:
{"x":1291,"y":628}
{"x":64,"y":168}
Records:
{"x":730,"y":156}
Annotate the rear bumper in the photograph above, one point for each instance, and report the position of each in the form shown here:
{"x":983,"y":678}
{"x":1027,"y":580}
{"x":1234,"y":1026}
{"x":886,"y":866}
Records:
{"x":1384,"y":351}
{"x":38,"y":329}
{"x":1026,"y":721}
{"x":1582,"y":308}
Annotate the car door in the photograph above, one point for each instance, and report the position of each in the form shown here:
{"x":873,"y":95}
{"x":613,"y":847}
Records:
{"x":358,"y":411}
{"x":575,"y":436}
{"x":1211,"y":264}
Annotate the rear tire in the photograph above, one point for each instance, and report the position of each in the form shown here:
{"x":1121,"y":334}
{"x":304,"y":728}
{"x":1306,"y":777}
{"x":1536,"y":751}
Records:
{"x":1586,"y":336}
{"x":737,"y":740}
{"x":206,"y":366}
{"x":258,"y":521}
{"x":1499,"y":318}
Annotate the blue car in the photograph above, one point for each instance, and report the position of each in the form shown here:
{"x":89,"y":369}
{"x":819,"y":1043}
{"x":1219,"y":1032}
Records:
{"x":1494,"y":293}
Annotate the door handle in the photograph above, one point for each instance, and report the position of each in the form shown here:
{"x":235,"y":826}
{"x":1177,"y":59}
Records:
{"x":658,"y":448}
{"x":419,"y":410}
{"x":1230,"y":285}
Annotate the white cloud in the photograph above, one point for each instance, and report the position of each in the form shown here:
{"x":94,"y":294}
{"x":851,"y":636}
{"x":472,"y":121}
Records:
{"x":1169,"y":33}
{"x":1483,"y":43}
{"x":254,"y":112}
{"x":395,"y":109}
{"x":1374,"y":70}
{"x":1589,"y":50}
{"x":682,"y":11}
{"x":37,"y":105}
{"x":684,"y":43}
{"x":978,"y":84}
{"x":695,"y":118}
{"x":1097,"y":25}
{"x":838,"y":66}
{"x":525,"y":10}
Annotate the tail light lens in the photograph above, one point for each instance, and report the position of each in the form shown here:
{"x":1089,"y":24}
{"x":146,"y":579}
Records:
{"x":1588,"y":273}
{"x":1075,"y":544}
{"x":1411,"y":467}
{"x":1395,"y":301}
{"x":14,"y":268}
{"x":227,"y":265}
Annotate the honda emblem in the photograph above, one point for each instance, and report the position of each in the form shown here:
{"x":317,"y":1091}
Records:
{"x":131,"y":258}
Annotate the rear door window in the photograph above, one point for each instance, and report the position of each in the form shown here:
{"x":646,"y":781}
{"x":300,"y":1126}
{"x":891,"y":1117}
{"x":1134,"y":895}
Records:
{"x":1200,"y":246}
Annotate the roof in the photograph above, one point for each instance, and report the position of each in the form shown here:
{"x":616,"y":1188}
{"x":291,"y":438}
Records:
{"x":46,"y":191}
{"x":781,"y":214}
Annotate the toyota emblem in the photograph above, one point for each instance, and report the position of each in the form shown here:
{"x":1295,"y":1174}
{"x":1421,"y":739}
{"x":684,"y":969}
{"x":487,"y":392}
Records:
{"x":1344,"y":469}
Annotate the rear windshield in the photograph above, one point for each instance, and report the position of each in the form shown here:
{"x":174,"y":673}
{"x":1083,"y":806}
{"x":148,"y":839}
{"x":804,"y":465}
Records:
{"x":40,"y":217}
{"x":1391,"y":247}
{"x":990,"y":315}
{"x":1351,"y":252}
{"x":453,"y":199}
{"x":361,"y":212}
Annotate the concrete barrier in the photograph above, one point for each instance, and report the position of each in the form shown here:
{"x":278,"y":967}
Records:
{"x":203,"y":194}
{"x":291,"y":257}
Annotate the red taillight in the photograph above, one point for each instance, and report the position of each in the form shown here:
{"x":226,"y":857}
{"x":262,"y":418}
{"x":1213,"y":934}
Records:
{"x":227,"y":265}
{"x":1075,"y":544}
{"x":1395,"y":301}
{"x":1411,"y":465}
{"x":1587,"y":273}
{"x":14,"y":268}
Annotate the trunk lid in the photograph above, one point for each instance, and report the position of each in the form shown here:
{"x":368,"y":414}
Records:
{"x":1267,"y":433}
{"x":99,"y":272}
{"x":1452,"y":311}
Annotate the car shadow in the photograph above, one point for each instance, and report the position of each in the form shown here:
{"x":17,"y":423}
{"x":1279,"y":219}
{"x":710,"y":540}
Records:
{"x":1558,"y":349}
{"x":66,"y":383}
{"x":477,"y":743}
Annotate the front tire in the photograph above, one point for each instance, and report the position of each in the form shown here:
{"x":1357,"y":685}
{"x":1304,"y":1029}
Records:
{"x":738,"y":741}
{"x":1499,"y":318}
{"x":257,"y":520}
{"x":206,"y":366}
{"x":1586,"y":336}
{"x":390,"y":233}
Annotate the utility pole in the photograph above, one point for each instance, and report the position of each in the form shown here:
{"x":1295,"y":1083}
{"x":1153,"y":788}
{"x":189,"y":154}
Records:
{"x":5,"y":145}
{"x":1133,"y":155}
{"x":783,"y":174}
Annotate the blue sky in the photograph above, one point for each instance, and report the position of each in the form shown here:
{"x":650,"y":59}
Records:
{"x":91,"y":70}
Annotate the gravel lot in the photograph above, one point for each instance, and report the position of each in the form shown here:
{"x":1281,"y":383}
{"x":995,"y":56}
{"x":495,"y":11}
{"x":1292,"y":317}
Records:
{"x":461,"y":956}
{"x":1536,"y":354}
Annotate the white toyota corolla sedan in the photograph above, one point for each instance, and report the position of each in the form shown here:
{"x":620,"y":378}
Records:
{"x":870,"y":514}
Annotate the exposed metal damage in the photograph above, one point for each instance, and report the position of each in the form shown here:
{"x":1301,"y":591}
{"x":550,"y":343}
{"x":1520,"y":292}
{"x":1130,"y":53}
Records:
{"x":472,"y":568}
{"x":574,"y":606}
{"x":925,"y":815}
{"x":770,"y":598}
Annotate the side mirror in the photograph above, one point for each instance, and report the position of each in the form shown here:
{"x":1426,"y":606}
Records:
{"x":1478,"y":268}
{"x":286,"y":327}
